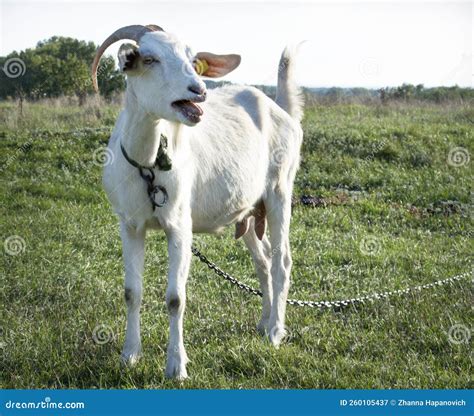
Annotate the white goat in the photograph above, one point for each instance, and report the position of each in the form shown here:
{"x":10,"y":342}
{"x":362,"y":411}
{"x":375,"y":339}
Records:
{"x":234,"y":159}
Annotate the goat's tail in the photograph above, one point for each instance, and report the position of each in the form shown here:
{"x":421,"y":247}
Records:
{"x":288,"y":94}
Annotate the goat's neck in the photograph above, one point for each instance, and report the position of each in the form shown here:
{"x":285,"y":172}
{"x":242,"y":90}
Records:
{"x":141,"y":136}
{"x":142,"y":132}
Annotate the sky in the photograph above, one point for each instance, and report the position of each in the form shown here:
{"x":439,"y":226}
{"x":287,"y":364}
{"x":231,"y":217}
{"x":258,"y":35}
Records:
{"x":348,"y":43}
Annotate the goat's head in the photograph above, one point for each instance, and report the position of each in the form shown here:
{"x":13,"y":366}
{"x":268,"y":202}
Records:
{"x":163,"y":74}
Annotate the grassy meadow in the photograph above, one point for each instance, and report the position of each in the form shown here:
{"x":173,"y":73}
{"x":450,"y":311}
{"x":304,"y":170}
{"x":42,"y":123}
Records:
{"x":395,"y":209}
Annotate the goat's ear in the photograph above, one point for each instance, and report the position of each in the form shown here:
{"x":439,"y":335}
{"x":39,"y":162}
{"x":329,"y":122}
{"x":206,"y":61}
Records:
{"x":128,"y":57}
{"x":214,"y":66}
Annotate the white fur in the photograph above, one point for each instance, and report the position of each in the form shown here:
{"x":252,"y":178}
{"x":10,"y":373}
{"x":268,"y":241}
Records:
{"x":245,"y":149}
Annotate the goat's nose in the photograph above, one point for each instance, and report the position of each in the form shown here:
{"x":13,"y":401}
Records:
{"x":197,"y":89}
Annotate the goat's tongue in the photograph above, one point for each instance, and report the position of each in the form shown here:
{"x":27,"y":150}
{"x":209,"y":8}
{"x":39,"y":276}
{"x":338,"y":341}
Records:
{"x":190,"y":108}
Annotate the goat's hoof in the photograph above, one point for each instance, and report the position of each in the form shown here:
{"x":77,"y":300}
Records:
{"x":276,"y":335}
{"x":130,"y":359}
{"x":176,"y":370}
{"x":130,"y":356}
{"x":176,"y":367}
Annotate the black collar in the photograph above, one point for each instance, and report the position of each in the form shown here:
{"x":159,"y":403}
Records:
{"x":162,"y":161}
{"x":131,"y":161}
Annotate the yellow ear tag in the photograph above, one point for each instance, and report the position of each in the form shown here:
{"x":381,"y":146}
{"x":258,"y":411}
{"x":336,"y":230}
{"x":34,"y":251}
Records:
{"x":201,"y":66}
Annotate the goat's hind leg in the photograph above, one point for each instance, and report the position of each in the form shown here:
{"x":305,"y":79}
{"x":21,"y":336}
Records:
{"x":279,"y":215}
{"x":133,"y":248}
{"x":261,"y":256}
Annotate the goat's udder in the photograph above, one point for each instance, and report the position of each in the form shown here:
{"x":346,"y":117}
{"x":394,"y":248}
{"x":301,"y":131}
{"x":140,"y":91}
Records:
{"x":260,"y":224}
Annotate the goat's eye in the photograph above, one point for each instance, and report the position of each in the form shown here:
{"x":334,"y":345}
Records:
{"x":147,"y":60}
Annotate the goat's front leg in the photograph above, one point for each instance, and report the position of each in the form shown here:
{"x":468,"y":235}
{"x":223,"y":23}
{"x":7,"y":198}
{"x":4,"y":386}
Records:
{"x":179,"y":252}
{"x":133,"y":248}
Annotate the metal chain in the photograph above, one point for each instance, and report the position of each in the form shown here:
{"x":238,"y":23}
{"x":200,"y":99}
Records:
{"x":225,"y":275}
{"x":331,"y":304}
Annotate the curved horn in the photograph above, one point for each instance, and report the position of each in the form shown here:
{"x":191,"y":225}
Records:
{"x":133,"y":32}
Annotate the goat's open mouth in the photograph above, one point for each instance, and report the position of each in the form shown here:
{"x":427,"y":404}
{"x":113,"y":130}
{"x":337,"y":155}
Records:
{"x":189,"y":110}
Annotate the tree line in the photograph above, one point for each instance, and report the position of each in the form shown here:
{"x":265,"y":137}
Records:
{"x":56,"y":67}
{"x":409,"y":92}
{"x":60,"y":66}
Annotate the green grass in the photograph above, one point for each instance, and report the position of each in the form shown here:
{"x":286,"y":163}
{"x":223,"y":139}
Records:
{"x":383,"y":175}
